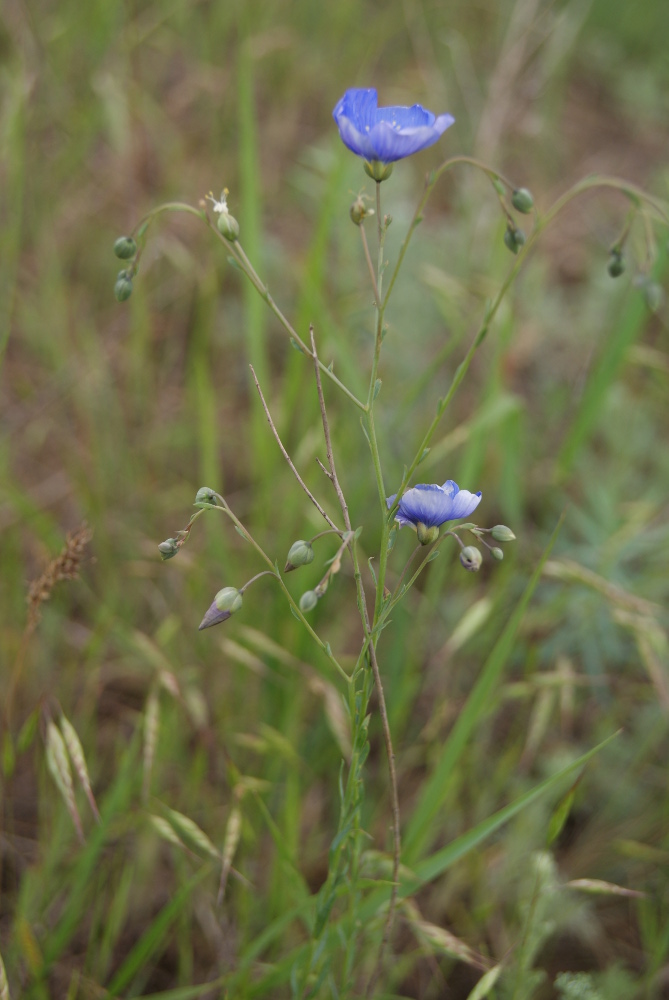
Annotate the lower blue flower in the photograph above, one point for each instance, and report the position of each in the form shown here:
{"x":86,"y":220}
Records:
{"x":385,"y":134}
{"x":430,"y":506}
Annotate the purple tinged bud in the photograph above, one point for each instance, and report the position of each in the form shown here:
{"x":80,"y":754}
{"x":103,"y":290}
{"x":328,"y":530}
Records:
{"x":227,"y":601}
{"x":301,"y":554}
{"x":471,"y":558}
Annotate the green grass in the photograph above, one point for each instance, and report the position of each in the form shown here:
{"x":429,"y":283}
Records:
{"x":499,"y":685}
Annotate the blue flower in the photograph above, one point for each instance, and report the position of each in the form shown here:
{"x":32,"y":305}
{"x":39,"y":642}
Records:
{"x":427,"y":507}
{"x":385,"y":134}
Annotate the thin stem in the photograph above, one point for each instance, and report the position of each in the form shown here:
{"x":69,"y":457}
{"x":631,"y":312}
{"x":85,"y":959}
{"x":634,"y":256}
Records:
{"x":296,"y":608}
{"x":288,"y":459}
{"x":237,"y":252}
{"x":265,"y":572}
{"x":370,"y":647}
{"x":370,"y":266}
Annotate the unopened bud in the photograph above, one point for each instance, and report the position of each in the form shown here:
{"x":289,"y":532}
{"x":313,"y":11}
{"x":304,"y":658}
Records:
{"x":377,"y":170}
{"x":514,"y":238}
{"x":471,"y":558}
{"x":227,"y":601}
{"x":502,"y":534}
{"x":426,"y":535}
{"x":123,"y":287}
{"x":205,"y":495}
{"x":616,"y":265}
{"x":125,"y":247}
{"x":309,"y":600}
{"x":522,"y":200}
{"x":497,"y":554}
{"x":228,"y":226}
{"x":653,"y":295}
{"x":168,"y":549}
{"x":301,"y":554}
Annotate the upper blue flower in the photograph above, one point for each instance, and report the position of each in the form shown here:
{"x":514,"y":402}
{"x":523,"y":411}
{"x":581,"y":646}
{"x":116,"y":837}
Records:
{"x":432,"y":505}
{"x":385,"y":134}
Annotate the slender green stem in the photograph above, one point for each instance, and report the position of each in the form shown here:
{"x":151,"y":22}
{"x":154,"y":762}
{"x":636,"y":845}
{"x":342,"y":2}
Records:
{"x":296,"y":608}
{"x":370,"y":266}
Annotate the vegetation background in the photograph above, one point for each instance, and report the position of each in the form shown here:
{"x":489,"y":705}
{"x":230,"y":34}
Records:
{"x":117,"y":414}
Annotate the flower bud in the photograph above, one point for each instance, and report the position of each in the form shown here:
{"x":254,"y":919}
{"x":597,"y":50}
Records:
{"x":205,"y":495}
{"x":227,"y":601}
{"x":497,"y":554}
{"x":125,"y":247}
{"x":123,"y":287}
{"x":301,"y":554}
{"x":653,"y":295}
{"x":168,"y":549}
{"x":426,"y":535}
{"x":309,"y":600}
{"x":377,"y":170}
{"x":522,"y":200}
{"x":616,"y":265}
{"x":514,"y":238}
{"x":502,"y":534}
{"x":228,"y":226}
{"x":471,"y":558}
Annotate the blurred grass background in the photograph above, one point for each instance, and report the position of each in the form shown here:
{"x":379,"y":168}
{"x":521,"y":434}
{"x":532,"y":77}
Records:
{"x":117,"y":414}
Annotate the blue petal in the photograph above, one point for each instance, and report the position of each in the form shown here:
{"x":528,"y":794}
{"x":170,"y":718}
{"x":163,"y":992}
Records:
{"x":464,"y":504}
{"x":403,"y":118}
{"x":426,"y":503}
{"x":385,"y":134}
{"x":359,"y":106}
{"x":433,"y":505}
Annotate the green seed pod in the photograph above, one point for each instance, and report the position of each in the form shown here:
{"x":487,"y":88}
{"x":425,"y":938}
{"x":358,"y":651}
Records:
{"x":309,"y":600}
{"x":228,"y":599}
{"x":123,"y":287}
{"x":497,"y":554}
{"x":168,"y":549}
{"x":616,"y":265}
{"x":426,"y":535}
{"x":359,"y":211}
{"x":125,"y":247}
{"x":227,"y":226}
{"x":301,"y":554}
{"x":502,"y":534}
{"x":471,"y":558}
{"x":208,"y":496}
{"x":522,"y":200}
{"x":377,"y":170}
{"x":514,"y":238}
